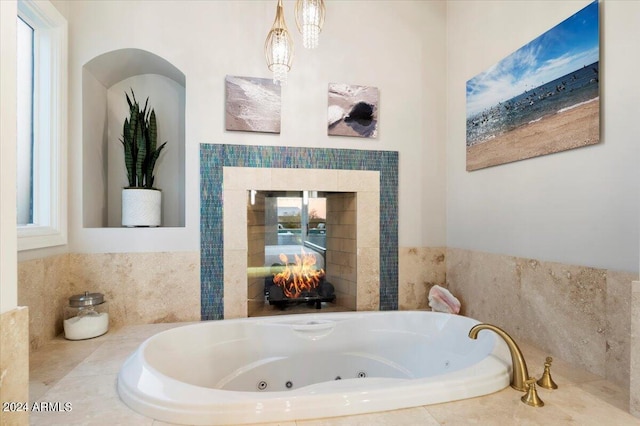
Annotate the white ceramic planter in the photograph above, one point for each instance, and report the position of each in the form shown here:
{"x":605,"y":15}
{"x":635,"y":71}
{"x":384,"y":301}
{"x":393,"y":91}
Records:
{"x":141,"y":207}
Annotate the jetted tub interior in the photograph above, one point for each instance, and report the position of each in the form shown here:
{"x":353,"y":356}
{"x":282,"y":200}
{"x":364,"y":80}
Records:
{"x":310,"y":366}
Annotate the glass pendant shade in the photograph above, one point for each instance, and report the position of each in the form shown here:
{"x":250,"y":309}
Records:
{"x":309,"y":20}
{"x":278,"y":48}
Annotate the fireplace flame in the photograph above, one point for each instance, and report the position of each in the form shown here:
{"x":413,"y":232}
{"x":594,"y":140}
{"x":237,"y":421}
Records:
{"x":298,"y":277}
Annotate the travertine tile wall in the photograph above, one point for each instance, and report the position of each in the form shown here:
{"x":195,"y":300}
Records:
{"x":577,"y":313}
{"x":618,"y":326}
{"x":634,"y":386}
{"x":369,"y":293}
{"x":341,"y":262}
{"x":141,"y":288}
{"x":43,"y":286}
{"x":14,"y":364}
{"x":419,"y":268}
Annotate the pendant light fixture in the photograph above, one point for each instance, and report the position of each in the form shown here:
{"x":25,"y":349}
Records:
{"x":309,"y":20}
{"x":278,"y":48}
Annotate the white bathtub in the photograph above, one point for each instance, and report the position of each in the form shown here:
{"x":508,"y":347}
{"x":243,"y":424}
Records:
{"x":308,"y":366}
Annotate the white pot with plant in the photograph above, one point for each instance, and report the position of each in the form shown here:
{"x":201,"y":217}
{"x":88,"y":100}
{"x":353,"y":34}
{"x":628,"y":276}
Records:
{"x":141,"y":201}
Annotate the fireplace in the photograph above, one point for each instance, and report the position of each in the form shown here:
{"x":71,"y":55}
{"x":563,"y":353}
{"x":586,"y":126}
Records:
{"x":309,"y":240}
{"x":229,"y":172}
{"x":298,"y":283}
{"x":298,"y":280}
{"x":349,"y":260}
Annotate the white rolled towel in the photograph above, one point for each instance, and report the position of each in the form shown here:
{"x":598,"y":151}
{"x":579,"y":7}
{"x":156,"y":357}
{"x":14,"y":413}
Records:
{"x":441,"y":300}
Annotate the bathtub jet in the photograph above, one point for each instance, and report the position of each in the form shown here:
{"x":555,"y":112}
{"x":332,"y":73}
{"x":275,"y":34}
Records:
{"x":293,"y":367}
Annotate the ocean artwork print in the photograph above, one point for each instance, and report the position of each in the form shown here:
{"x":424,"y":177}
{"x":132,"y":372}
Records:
{"x":353,"y":110}
{"x":252,"y":104}
{"x":541,"y":99}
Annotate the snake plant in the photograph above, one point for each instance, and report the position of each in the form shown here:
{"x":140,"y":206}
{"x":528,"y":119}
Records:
{"x":139,"y":139}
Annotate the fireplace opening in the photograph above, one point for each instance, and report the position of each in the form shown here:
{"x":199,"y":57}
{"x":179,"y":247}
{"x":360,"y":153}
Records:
{"x":298,"y":281}
{"x":301,"y":251}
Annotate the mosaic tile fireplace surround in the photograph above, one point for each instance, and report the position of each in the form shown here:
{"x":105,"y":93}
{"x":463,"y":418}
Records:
{"x":227,"y":170}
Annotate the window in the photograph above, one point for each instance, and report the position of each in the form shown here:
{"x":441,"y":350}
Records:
{"x":302,"y":219}
{"x":25,"y":123}
{"x":42,"y":115}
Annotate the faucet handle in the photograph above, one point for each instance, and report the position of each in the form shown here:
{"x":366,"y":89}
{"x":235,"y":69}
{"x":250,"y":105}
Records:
{"x":531,"y":397}
{"x":546,"y":381}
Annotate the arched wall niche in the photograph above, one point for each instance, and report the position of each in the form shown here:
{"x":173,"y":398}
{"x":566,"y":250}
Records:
{"x":105,"y":80}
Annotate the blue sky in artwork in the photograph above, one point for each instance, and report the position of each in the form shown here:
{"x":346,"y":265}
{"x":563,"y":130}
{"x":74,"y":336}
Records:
{"x":565,"y":48}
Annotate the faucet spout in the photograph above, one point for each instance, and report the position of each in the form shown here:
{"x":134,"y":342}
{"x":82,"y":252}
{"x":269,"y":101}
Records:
{"x":520,"y":374}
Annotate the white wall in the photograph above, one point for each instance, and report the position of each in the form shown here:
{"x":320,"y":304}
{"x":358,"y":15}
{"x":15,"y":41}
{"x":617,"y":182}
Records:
{"x":166,"y":98}
{"x":579,"y":206}
{"x":433,"y":162}
{"x":381,"y":43}
{"x":8,"y":230}
{"x":94,"y":151}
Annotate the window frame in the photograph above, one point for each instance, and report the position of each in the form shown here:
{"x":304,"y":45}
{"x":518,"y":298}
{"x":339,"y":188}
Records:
{"x":49,"y":127}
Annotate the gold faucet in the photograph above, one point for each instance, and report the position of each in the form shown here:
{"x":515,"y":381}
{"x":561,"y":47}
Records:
{"x":546,"y":381}
{"x":519,"y":367}
{"x":531,"y":397}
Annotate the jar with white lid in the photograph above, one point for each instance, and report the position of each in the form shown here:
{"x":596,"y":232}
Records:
{"x":86,"y":316}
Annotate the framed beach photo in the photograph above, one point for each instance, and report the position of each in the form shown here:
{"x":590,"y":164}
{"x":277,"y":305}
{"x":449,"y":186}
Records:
{"x":541,"y":99}
{"x":252,"y":104}
{"x":352,"y":110}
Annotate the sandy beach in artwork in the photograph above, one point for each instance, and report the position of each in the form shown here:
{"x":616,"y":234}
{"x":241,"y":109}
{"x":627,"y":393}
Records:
{"x":572,"y":128}
{"x":342,"y":99}
{"x":252,"y":104}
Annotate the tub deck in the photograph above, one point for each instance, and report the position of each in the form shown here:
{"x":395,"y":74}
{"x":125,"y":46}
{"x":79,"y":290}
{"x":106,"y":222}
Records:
{"x":84,"y":373}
